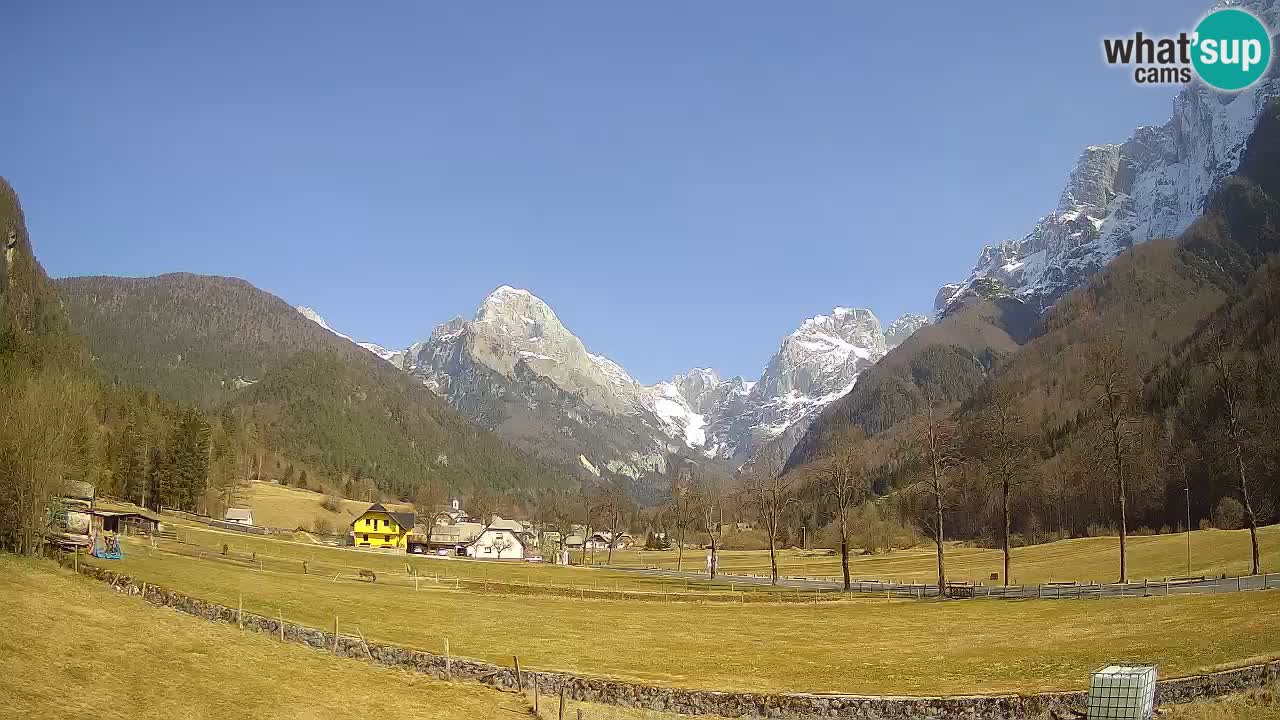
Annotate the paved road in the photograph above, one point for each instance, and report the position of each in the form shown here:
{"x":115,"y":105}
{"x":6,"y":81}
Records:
{"x":1055,"y":591}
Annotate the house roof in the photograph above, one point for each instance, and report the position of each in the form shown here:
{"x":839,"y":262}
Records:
{"x":244,"y":514}
{"x":509,"y":525}
{"x":459,"y":533}
{"x":110,"y":508}
{"x":403,"y":519}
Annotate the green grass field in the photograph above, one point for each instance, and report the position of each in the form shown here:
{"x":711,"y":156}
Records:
{"x":1083,"y":559}
{"x":859,"y":646}
{"x":74,"y":648}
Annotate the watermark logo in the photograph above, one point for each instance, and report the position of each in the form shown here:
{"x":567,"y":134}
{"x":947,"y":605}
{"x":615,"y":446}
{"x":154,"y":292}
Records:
{"x":1230,"y":50}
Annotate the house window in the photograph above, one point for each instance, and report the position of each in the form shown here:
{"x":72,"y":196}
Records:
{"x":487,"y":550}
{"x":375,"y":523}
{"x":366,"y":537}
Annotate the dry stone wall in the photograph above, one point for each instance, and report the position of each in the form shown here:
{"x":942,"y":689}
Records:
{"x":688,"y":701}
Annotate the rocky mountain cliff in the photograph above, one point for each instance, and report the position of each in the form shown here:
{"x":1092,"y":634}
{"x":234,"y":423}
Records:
{"x":516,"y":369}
{"x":1154,"y":184}
{"x":814,"y":366}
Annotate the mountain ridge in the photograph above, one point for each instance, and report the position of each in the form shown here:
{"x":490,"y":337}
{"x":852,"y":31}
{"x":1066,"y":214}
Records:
{"x":514,"y":337}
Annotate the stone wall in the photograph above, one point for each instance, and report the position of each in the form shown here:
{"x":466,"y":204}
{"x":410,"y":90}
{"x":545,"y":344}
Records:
{"x":687,"y":701}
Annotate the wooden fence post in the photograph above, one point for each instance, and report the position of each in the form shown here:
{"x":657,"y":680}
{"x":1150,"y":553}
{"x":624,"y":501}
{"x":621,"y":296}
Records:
{"x":448,"y":661}
{"x":335,"y":634}
{"x":365,"y":643}
{"x":519,"y":680}
{"x":281,"y":624}
{"x":561,"y":700}
{"x":240,"y":613}
{"x":535,"y":697}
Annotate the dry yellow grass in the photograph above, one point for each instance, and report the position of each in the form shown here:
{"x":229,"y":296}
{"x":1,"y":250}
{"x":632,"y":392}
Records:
{"x":287,"y":555}
{"x":859,"y":646}
{"x":1254,"y":705}
{"x":74,"y":648}
{"x":279,"y":506}
{"x":1083,"y":559}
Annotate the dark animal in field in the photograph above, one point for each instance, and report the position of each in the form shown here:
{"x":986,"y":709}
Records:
{"x":368,"y":575}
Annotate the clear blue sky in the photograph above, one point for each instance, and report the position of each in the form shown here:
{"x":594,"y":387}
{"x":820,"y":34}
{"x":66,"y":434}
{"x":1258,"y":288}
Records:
{"x":682,"y":182}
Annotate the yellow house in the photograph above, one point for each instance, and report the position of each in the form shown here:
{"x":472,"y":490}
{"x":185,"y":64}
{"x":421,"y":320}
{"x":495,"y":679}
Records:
{"x":379,"y":527}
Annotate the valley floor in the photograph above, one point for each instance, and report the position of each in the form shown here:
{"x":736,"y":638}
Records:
{"x":74,"y":648}
{"x":852,"y":646}
{"x":1213,"y":552}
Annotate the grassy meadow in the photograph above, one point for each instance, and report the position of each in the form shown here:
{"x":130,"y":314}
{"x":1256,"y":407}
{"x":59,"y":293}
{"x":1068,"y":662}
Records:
{"x":74,"y":648}
{"x":862,"y":645}
{"x":280,"y":506}
{"x":1083,"y":559}
{"x":287,"y":556}
{"x":1263,"y":704}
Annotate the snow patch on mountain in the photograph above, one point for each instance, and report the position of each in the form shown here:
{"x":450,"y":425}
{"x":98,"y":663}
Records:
{"x":313,"y":316}
{"x":1154,"y":184}
{"x":902,"y":328}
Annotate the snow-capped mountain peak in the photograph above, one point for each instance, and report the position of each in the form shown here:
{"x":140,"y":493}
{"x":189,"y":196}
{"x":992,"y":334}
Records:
{"x":903,"y":327}
{"x":1154,"y":184}
{"x":395,"y":357}
{"x":315,"y":317}
{"x":815,"y":365}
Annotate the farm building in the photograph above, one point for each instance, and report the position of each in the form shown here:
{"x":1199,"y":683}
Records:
{"x":602,"y":539}
{"x":239,"y":516}
{"x":122,"y":518}
{"x":378,"y":527}
{"x":500,"y":540}
{"x":445,"y":539}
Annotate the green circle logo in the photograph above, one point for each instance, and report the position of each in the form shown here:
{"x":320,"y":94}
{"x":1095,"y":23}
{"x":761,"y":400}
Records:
{"x":1232,"y":49}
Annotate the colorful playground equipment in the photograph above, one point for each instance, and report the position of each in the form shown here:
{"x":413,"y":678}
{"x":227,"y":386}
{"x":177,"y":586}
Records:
{"x":106,"y":545}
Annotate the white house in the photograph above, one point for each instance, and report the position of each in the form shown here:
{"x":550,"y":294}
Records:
{"x":500,"y":540}
{"x":239,"y":516}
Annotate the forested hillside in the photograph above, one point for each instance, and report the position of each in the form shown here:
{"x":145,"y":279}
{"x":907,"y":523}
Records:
{"x":47,"y":429}
{"x":951,"y":358}
{"x":352,"y":418}
{"x":287,"y":387}
{"x":193,"y":338}
{"x":1156,"y":382}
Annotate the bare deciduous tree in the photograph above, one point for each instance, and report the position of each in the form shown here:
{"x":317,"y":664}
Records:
{"x":681,"y":509}
{"x":708,"y":504}
{"x":614,"y":502}
{"x":1230,"y":372}
{"x":554,"y":509}
{"x":501,"y":544}
{"x":38,"y":454}
{"x":939,"y":456}
{"x":1113,"y":386}
{"x":1004,"y":444}
{"x":430,"y":502}
{"x":771,"y":494}
{"x":845,"y":484}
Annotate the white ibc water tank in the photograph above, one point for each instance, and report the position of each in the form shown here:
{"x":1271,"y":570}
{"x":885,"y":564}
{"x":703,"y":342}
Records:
{"x":1122,"y":692}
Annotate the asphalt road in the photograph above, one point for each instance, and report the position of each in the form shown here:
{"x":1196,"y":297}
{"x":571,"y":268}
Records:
{"x":1048,"y":591}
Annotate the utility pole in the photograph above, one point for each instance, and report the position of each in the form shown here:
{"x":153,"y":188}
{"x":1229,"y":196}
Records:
{"x":1186,"y":487}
